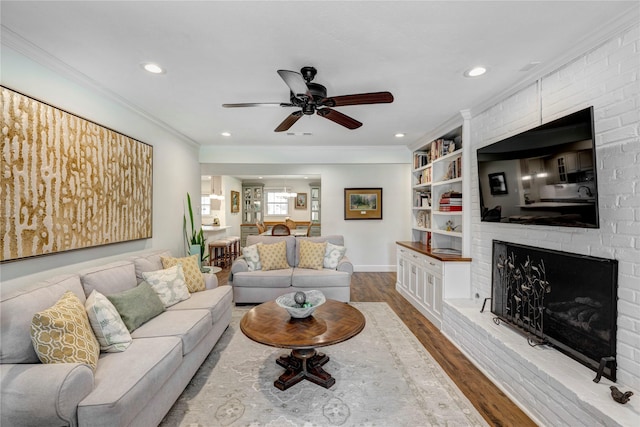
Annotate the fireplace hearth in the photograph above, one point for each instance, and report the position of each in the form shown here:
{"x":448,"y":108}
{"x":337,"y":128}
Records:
{"x":565,"y":300}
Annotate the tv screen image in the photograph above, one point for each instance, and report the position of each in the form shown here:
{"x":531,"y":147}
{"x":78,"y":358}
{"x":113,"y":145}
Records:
{"x":543,"y":176}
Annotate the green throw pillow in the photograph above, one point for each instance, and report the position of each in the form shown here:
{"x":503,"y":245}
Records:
{"x":137,"y":306}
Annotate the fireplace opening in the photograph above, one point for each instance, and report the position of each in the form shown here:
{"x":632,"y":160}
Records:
{"x":566,"y":300}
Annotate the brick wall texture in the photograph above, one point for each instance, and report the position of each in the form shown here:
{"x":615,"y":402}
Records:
{"x":607,"y":78}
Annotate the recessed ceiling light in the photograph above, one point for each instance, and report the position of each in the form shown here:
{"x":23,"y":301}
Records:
{"x":475,"y":72}
{"x":153,"y":68}
{"x":226,"y":134}
{"x":399,"y":135}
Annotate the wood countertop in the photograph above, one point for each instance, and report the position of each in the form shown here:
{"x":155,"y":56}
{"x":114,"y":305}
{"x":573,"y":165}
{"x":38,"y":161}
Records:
{"x":425,"y":250}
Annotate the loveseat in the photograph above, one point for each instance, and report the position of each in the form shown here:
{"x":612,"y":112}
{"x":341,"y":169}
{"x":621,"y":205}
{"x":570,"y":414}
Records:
{"x":134,"y":387}
{"x":260,"y":285}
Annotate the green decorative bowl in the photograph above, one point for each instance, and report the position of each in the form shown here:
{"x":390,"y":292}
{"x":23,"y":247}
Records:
{"x":315,"y":298}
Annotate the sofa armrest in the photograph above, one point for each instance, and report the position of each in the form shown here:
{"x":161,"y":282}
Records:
{"x":239,"y":266}
{"x":210,"y":280}
{"x":345,"y":265}
{"x":43,"y":394}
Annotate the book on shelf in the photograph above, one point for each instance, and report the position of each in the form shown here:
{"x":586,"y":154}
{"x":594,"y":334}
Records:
{"x":441,"y":147}
{"x":451,"y":201}
{"x":421,"y":158}
{"x":455,"y":169}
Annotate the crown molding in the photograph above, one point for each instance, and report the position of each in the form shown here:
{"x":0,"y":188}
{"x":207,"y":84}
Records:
{"x":16,"y":42}
{"x":588,"y":43}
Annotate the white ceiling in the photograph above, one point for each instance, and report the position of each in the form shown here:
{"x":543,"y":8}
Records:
{"x":219,"y":52}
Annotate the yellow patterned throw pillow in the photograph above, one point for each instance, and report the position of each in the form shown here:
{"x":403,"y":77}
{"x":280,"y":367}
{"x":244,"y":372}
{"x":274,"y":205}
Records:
{"x":192,"y":274}
{"x":62,"y":333}
{"x":274,"y":256}
{"x":311,"y":254}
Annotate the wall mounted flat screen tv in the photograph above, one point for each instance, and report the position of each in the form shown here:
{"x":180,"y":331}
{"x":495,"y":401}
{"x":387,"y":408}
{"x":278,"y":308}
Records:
{"x":543,"y":176}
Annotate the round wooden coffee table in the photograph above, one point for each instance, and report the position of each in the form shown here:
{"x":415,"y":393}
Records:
{"x":331,"y":323}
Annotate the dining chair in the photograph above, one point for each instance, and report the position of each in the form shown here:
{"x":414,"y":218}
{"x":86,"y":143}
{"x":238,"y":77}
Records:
{"x":290,"y":223}
{"x":280,"y":230}
{"x":309,"y":229}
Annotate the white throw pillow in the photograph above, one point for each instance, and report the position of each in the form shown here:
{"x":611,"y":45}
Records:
{"x":252,"y":257}
{"x":169,"y":284}
{"x":332,"y":255}
{"x":110,"y":331}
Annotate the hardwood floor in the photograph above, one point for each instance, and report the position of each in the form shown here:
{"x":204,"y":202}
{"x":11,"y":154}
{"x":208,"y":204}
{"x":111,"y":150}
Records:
{"x":491,"y":402}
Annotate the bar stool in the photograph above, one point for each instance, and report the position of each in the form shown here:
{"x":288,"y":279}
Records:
{"x":219,"y":253}
{"x":235,"y":246}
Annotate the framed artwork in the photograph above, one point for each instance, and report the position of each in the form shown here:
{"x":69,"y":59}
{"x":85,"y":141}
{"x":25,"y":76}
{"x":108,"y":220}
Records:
{"x":69,"y":183}
{"x":498,"y":183}
{"x":301,"y":201}
{"x":363,"y":203}
{"x":235,"y":201}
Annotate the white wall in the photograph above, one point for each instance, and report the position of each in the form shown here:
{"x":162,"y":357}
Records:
{"x":370,"y":243}
{"x":607,"y":77}
{"x":175,"y":166}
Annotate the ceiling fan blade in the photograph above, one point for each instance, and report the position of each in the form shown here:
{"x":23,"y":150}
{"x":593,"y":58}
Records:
{"x":359,"y":99}
{"x":259,"y":104}
{"x":289,"y":121}
{"x":296,"y":83}
{"x":339,"y":118}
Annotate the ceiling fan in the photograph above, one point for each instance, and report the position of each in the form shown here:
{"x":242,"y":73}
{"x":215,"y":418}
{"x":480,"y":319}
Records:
{"x":312,"y":98}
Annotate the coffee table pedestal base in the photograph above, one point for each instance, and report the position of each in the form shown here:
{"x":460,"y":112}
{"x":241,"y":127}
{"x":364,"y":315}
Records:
{"x":303,"y":364}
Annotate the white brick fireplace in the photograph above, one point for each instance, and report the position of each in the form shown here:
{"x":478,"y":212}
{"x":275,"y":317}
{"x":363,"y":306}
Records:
{"x":551,"y":387}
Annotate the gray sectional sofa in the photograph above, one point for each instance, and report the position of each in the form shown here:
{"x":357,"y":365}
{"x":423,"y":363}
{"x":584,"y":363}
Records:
{"x":259,"y":286}
{"x":136,"y":387}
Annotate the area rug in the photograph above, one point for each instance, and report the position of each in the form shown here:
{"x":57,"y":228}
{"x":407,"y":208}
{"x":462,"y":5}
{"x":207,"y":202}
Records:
{"x":384,"y":377}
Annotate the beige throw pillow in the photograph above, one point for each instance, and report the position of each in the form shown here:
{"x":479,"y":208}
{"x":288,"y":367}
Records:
{"x":274,"y":256}
{"x":311,"y":254}
{"x":192,"y":274}
{"x":62,"y":333}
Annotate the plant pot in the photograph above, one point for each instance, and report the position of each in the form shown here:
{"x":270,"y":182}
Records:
{"x":195,"y":250}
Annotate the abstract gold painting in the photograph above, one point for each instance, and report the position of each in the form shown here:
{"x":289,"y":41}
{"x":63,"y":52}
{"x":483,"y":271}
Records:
{"x":68,"y":183}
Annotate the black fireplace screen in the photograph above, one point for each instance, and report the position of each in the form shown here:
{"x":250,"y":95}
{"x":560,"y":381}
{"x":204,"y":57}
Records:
{"x":566,"y":300}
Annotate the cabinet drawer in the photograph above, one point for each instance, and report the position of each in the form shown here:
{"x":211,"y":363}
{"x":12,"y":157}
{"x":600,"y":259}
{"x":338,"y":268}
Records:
{"x":433,"y":265}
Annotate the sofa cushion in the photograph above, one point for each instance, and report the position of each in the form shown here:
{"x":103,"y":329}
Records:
{"x":312,"y":254}
{"x":109,"y":278}
{"x":273,"y":256}
{"x":252,"y":257}
{"x":188,"y":325}
{"x":191,"y":268}
{"x":169,"y":284}
{"x":290,"y":241}
{"x":149,"y":261}
{"x":335,"y":239}
{"x":216,"y":300}
{"x":62,"y":333}
{"x":18,"y":308}
{"x":332,"y":256}
{"x":137,"y":306}
{"x":107,"y":325}
{"x":125,"y":382}
{"x":318,"y":279}
{"x":263,"y":279}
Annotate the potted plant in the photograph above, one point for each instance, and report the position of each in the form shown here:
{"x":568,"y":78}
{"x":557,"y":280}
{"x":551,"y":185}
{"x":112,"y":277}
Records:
{"x":195,"y":240}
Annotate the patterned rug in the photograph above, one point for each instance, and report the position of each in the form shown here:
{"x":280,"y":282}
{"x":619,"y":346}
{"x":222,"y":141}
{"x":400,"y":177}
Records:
{"x":384,"y":377}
